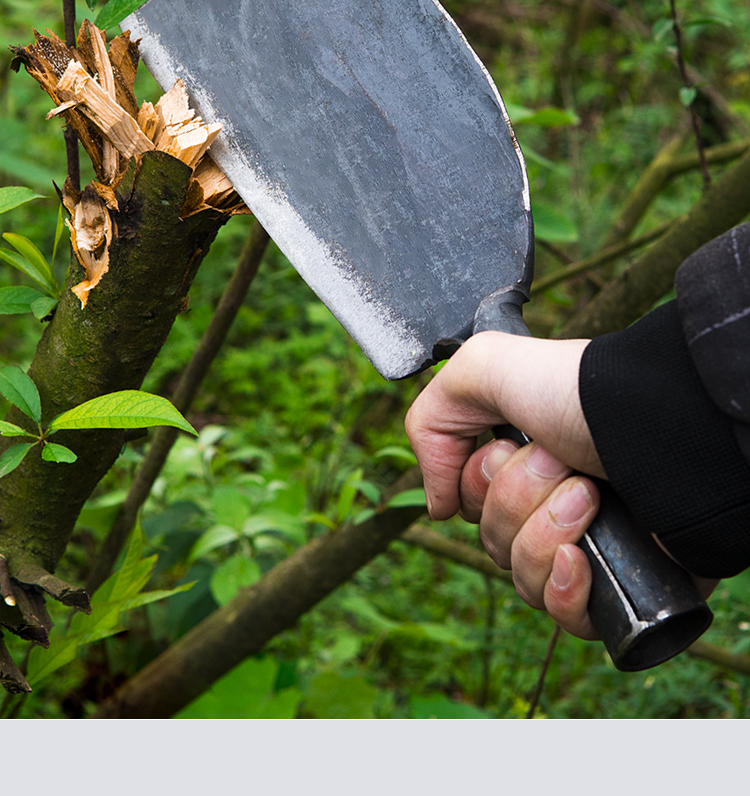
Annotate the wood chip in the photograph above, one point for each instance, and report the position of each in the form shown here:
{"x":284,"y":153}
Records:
{"x":117,"y":126}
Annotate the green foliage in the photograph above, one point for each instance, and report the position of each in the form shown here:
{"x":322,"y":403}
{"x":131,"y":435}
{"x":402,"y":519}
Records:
{"x":115,"y":11}
{"x":15,"y":196}
{"x":120,"y":593}
{"x":124,"y":409}
{"x":248,"y":692}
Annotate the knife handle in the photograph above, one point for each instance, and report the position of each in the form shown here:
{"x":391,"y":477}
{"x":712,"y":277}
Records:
{"x":645,"y":607}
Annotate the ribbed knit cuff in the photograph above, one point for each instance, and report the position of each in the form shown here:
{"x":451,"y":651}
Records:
{"x":668,"y":451}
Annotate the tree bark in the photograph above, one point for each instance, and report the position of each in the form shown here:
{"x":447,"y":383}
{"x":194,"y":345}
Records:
{"x":107,"y":346}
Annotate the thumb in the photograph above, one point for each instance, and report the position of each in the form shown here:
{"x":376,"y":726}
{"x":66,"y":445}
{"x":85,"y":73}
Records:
{"x":492,"y":379}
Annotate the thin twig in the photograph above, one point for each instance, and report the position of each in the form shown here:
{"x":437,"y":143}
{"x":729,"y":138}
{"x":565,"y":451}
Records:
{"x":687,"y":83}
{"x":600,"y":258}
{"x":186,"y":390}
{"x":543,"y":674}
{"x":71,"y":139}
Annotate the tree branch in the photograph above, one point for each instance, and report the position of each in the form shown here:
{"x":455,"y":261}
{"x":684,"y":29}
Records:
{"x":634,"y":292}
{"x":209,"y":346}
{"x":603,"y":257}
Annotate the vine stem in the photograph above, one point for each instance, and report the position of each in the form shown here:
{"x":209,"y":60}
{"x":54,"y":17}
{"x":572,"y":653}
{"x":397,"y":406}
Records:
{"x":543,"y":674}
{"x":688,"y":84}
{"x":71,"y":139}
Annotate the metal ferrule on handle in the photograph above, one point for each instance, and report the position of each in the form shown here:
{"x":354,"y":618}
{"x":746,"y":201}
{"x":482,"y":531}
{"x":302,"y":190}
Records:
{"x":645,"y":607}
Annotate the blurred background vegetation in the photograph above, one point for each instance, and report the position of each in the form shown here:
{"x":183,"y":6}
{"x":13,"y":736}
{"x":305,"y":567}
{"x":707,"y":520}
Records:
{"x":298,"y":433}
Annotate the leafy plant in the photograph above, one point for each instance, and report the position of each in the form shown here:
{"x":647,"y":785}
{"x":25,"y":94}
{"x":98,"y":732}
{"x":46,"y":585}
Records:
{"x":120,"y":593}
{"x":124,"y":409}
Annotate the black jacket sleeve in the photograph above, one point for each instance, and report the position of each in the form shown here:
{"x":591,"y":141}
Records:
{"x":668,"y":404}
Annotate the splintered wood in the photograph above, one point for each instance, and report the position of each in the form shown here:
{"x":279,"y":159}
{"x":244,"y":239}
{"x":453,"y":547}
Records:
{"x":92,"y":87}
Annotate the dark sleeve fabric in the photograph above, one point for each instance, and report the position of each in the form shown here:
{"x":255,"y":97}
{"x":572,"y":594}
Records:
{"x":666,"y":445}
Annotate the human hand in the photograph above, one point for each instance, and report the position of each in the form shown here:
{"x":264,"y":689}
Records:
{"x":530,"y":507}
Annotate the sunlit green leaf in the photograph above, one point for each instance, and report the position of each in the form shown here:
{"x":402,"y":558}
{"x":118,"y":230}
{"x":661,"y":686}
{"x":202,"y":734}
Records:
{"x":216,"y":536}
{"x":115,"y":11}
{"x":12,"y":430}
{"x":17,"y":300}
{"x":59,"y":229}
{"x":551,"y":117}
{"x":397,"y":452}
{"x":15,"y":196}
{"x":687,"y":95}
{"x":410,"y":497}
{"x":331,"y":696}
{"x":279,"y":521}
{"x":231,"y":576}
{"x":52,"y":452}
{"x":552,"y":225}
{"x":348,"y":494}
{"x":43,"y":306}
{"x":30,"y":252}
{"x":12,"y":457}
{"x":21,"y":391}
{"x":25,"y":267}
{"x":125,"y":409}
{"x":440,"y":706}
{"x":316,"y":516}
{"x":246,"y":692}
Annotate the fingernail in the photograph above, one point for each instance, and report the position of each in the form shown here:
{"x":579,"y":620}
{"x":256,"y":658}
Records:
{"x":563,"y":569}
{"x":428,"y":500}
{"x":500,"y":451}
{"x":570,"y":503}
{"x":545,"y":464}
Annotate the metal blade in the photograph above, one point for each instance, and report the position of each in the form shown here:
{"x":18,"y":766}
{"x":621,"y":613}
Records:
{"x":372,"y":145}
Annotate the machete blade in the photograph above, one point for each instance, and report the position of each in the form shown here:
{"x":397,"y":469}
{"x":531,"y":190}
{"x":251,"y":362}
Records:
{"x":372,"y":145}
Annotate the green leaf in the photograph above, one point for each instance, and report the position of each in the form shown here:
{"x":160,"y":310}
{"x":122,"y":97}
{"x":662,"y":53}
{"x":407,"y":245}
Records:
{"x":316,"y":516}
{"x":30,"y":252}
{"x":348,"y":494}
{"x":118,"y":585}
{"x":216,"y":536}
{"x":331,"y":696}
{"x":43,"y":306}
{"x":551,"y":117}
{"x":11,"y":430}
{"x":21,"y":391}
{"x":63,"y":650}
{"x":246,"y":692}
{"x":662,"y":28}
{"x":149,"y":597}
{"x":25,"y":267}
{"x":411,"y":497}
{"x":125,"y":409}
{"x":52,"y":452}
{"x":279,"y":521}
{"x":234,"y":574}
{"x":687,"y":95}
{"x":551,"y":225}
{"x":13,"y":457}
{"x":17,"y":300}
{"x":397,"y":452}
{"x":441,"y":707}
{"x":59,"y":229}
{"x":15,"y":196}
{"x":230,"y":506}
{"x":115,"y":11}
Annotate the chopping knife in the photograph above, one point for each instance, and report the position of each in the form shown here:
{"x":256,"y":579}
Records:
{"x":371,"y":143}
